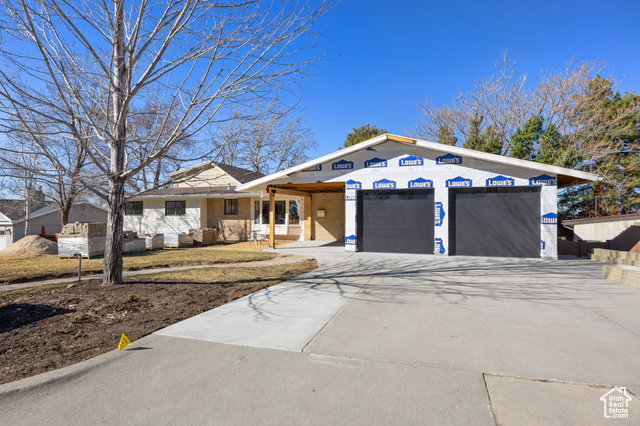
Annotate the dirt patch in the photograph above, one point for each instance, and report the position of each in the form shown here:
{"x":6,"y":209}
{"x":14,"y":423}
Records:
{"x":31,"y":245}
{"x":47,"y":328}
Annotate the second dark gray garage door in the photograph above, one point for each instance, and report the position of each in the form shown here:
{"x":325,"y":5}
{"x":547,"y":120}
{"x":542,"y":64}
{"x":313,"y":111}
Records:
{"x":501,"y":222}
{"x":395,"y":221}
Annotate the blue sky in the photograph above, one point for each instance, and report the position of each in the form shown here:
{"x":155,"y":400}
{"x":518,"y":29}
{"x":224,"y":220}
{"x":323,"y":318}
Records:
{"x":396,"y":54}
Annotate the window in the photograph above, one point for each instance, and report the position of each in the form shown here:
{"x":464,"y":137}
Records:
{"x":175,"y":208}
{"x":3,"y":232}
{"x":261,"y":212}
{"x":230,"y":206}
{"x":294,"y":212}
{"x":133,"y":208}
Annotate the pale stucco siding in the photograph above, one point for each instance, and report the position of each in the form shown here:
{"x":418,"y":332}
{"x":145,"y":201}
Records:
{"x":601,"y":231}
{"x":154,"y":221}
{"x":214,"y":177}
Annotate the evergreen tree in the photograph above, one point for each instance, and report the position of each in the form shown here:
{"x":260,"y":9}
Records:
{"x":361,"y":134}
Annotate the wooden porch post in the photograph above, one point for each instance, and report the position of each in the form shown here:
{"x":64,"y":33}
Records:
{"x":309,"y":218}
{"x":272,"y":218}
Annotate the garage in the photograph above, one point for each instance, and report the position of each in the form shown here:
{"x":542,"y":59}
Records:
{"x":395,"y":221}
{"x":501,"y":222}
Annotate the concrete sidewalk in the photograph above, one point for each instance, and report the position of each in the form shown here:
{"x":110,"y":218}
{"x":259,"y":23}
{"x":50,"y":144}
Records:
{"x":368,"y":340}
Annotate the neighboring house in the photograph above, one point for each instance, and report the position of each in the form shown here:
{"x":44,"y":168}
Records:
{"x":601,"y":228}
{"x":43,"y":214}
{"x":395,"y":194}
{"x":49,"y":219}
{"x":620,"y":232}
{"x":6,"y":232}
{"x":205,"y":196}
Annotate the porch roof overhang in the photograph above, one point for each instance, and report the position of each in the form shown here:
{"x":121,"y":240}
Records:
{"x":303,"y":189}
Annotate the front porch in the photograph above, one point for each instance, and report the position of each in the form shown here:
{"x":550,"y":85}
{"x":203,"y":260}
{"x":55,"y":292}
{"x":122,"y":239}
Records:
{"x":324,"y":210}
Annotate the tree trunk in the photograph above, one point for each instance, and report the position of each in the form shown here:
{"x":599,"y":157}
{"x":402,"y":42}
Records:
{"x":115,"y":223}
{"x":115,"y":220}
{"x":64,"y":212}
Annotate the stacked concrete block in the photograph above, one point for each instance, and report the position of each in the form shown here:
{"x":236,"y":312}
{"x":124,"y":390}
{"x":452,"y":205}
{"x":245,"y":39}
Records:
{"x":204,"y":236}
{"x":178,"y":240}
{"x":88,"y":239}
{"x":153,"y":241}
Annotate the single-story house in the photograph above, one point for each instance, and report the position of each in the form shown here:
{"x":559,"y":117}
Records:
{"x":603,"y":228}
{"x":397,"y":194}
{"x":205,"y":196}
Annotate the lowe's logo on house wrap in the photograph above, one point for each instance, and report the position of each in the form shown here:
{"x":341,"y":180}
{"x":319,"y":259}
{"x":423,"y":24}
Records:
{"x":500,"y":181}
{"x":352,"y":184}
{"x":439,"y":214}
{"x":375,"y":162}
{"x":342,"y":165}
{"x":438,"y":248}
{"x":550,"y":219}
{"x":420,"y":183}
{"x":384,"y":184}
{"x":543,"y":180}
{"x":316,"y":168}
{"x":411,"y":161}
{"x":542,"y":244}
{"x":350,"y":196}
{"x":459,"y":182}
{"x":350,"y":240}
{"x":449,"y":159}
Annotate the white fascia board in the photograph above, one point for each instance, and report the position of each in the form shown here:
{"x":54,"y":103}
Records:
{"x":229,"y":195}
{"x":326,"y":158}
{"x":5,"y":221}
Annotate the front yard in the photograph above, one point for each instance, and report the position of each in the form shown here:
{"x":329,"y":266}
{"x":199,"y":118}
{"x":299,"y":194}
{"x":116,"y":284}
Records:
{"x":46,"y":328}
{"x":23,"y":269}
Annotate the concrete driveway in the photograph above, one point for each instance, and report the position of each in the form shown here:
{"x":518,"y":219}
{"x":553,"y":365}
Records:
{"x":371,"y":339}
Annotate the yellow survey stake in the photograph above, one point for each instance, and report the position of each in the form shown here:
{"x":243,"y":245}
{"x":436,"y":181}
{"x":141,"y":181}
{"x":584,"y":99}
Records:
{"x":124,"y":341}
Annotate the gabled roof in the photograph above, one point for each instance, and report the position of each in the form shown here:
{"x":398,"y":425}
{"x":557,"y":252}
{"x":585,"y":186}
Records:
{"x":566,"y":177}
{"x":5,"y":220}
{"x":15,"y":209}
{"x":239,"y":174}
{"x":53,"y":208}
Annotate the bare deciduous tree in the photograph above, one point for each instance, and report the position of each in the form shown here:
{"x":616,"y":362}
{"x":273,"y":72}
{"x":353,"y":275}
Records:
{"x":203,"y":57}
{"x":266,"y":139}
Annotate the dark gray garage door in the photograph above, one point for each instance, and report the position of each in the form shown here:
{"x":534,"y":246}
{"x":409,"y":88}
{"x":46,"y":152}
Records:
{"x":495,"y":221}
{"x":395,"y":221}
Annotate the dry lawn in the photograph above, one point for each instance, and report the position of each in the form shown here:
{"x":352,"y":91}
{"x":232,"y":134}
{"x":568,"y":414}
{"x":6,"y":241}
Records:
{"x":23,"y":269}
{"x":45,"y":328}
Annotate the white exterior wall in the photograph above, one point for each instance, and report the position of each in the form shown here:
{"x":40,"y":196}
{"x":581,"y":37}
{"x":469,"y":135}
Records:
{"x":6,"y":232}
{"x":477,"y":171}
{"x":154,"y":221}
{"x":601,"y":231}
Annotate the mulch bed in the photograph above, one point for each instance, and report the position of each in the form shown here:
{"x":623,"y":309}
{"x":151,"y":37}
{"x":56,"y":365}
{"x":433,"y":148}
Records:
{"x":48,"y":328}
